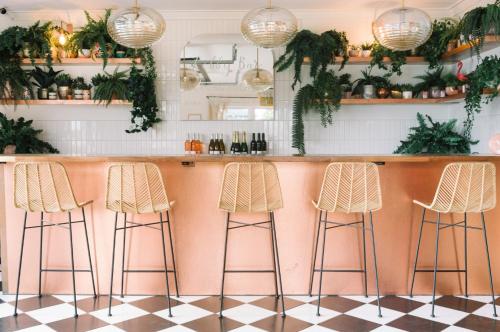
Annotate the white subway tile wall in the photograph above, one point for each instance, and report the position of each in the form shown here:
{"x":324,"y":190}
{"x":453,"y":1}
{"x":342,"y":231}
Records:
{"x":95,"y":130}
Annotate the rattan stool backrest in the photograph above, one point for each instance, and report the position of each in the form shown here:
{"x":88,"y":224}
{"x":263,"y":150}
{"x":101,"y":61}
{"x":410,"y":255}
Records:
{"x":350,"y":188}
{"x":466,"y":187}
{"x":250,"y":187}
{"x":42,"y":187}
{"x":136,"y":188}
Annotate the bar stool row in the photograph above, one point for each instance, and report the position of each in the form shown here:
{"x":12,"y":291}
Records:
{"x":350,"y":188}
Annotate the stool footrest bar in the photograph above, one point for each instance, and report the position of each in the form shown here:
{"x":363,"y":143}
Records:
{"x":249,"y":271}
{"x":444,"y":270}
{"x":334,"y":270}
{"x":64,"y":270}
{"x":147,"y":271}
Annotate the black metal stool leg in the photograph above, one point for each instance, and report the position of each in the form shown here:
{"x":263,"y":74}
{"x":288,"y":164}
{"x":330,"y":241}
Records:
{"x":416,"y":255}
{"x":224,"y":267}
{"x":88,"y":250}
{"x":274,"y":262}
{"x":313,"y":265}
{"x":375,"y":262}
{"x":20,"y":262}
{"x":112,"y":265}
{"x":465,"y":256}
{"x":72,"y":262}
{"x":489,"y":265}
{"x":123,"y":251}
{"x":172,"y":252}
{"x":41,"y":254}
{"x":321,"y":269}
{"x":364,"y":254}
{"x":283,"y":314}
{"x":165,"y":264}
{"x":435,"y":264}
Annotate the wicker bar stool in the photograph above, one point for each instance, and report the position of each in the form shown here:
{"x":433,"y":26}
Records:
{"x":463,"y":188}
{"x":347,"y":188}
{"x":45,"y":188}
{"x":137,"y":188}
{"x":255,"y":188}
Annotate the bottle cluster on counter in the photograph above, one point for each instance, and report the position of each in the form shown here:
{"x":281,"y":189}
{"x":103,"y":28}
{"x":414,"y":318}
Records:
{"x":216,"y":146}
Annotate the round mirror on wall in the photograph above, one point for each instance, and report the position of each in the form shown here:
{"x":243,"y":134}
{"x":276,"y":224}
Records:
{"x":224,"y":77}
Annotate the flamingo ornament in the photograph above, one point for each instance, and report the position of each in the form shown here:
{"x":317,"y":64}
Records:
{"x":460,"y":76}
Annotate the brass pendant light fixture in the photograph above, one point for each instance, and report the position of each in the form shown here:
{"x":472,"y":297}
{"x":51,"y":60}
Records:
{"x":258,"y":79}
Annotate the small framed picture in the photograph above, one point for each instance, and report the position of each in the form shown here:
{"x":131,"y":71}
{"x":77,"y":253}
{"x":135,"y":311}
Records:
{"x":194,"y":116}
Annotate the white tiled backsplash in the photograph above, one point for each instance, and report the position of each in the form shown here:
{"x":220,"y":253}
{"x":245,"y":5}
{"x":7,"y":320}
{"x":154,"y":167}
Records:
{"x":95,"y":130}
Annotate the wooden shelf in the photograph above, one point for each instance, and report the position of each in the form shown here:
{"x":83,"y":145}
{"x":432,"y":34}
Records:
{"x":358,"y":60}
{"x":83,"y":61}
{"x":62,"y":102}
{"x":399,"y":101}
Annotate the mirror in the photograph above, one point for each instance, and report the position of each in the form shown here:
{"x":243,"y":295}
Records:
{"x":224,"y":77}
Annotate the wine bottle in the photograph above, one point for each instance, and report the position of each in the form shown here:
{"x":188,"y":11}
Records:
{"x":253,"y":145}
{"x":216,"y":145}
{"x":187,"y":144}
{"x":222,"y":146}
{"x":264,"y":144}
{"x":244,"y":146}
{"x":232,"y":144}
{"x":259,"y":144}
{"x":237,"y":146}
{"x":211,"y":145}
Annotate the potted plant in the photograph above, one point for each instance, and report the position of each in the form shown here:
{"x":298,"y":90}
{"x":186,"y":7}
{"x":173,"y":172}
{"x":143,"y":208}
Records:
{"x":36,"y":42}
{"x":319,"y":50}
{"x":432,"y":82}
{"x":396,"y":91}
{"x":407,"y":91}
{"x":44,"y":80}
{"x":366,"y":49}
{"x":120,"y":51}
{"x":354,"y":51}
{"x":444,"y":32}
{"x":368,"y":83}
{"x":346,"y":85}
{"x":383,"y":88}
{"x":18,"y":136}
{"x":110,"y":86}
{"x":64,"y":83}
{"x":479,"y":22}
{"x":95,"y":35}
{"x":81,"y":90}
{"x":438,"y":138}
{"x":52,"y":94}
{"x":452,"y":84}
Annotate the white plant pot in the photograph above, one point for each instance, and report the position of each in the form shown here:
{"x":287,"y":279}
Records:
{"x":52,"y":95}
{"x":354,"y":53}
{"x":85,"y":53}
{"x":366,"y":53}
{"x":86,"y":95}
{"x":407,"y":94}
{"x":78,"y":94}
{"x":63,"y":91}
{"x":368,"y":91}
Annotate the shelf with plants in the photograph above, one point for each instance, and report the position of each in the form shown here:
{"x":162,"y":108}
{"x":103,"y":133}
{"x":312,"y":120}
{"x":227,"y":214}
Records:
{"x":82,"y":61}
{"x":40,"y":102}
{"x":401,"y":101}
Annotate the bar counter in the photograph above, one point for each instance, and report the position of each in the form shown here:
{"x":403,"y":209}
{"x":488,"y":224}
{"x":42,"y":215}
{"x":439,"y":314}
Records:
{"x":199,"y":228}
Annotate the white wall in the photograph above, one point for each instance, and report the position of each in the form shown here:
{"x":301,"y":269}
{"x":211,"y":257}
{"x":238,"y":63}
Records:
{"x":357,"y":129}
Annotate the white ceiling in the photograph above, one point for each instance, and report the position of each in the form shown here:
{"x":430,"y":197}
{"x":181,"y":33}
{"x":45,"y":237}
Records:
{"x":30,"y":5}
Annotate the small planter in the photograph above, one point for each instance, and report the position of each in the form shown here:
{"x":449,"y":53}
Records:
{"x":451,"y":90}
{"x":63,"y":92}
{"x":120,"y":54}
{"x":383,"y":93}
{"x":435,"y":92}
{"x":52,"y":95}
{"x":9,"y":149}
{"x":452,"y":44}
{"x":26,"y":94}
{"x":78,"y":94}
{"x":43,"y":93}
{"x":366,"y":53}
{"x":347,"y":95}
{"x":86,"y":95}
{"x":26,"y":52}
{"x":425,"y":94}
{"x":368,"y":91}
{"x":407,"y":94}
{"x":85,"y":53}
{"x":354,"y":53}
{"x":396,"y":94}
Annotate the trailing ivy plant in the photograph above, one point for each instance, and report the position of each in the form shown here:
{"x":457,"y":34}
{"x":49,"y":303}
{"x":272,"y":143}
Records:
{"x":486,"y":75}
{"x":324,"y":96}
{"x":479,"y":22}
{"x":142,"y":93}
{"x":397,"y":58}
{"x":320,"y":49}
{"x":435,"y":138}
{"x":21,"y":134}
{"x":443,"y":31}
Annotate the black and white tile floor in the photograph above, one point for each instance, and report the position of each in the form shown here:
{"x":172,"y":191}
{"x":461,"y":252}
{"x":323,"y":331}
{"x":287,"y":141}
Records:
{"x":247,"y":314}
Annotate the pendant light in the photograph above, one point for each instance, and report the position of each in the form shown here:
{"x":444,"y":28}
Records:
{"x":189,"y":78}
{"x":136,"y":27}
{"x":258,"y":79}
{"x":269,"y":27}
{"x":402,"y":29}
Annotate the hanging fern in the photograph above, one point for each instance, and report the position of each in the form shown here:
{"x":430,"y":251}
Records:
{"x":397,"y":58}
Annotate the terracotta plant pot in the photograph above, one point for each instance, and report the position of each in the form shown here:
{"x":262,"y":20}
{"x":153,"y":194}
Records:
{"x":451,"y":90}
{"x":9,"y":149}
{"x":86,"y":95}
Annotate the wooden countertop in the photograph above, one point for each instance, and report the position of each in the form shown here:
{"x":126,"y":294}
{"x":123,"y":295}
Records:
{"x":230,"y":158}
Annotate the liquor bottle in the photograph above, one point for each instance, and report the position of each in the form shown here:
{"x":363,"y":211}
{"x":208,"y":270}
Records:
{"x":196,"y":144}
{"x":231,"y":150}
{"x":187,"y":144}
{"x":259,"y":144}
{"x":253,"y":145}
{"x":211,"y":145}
{"x":243,"y":145}
{"x":216,"y":145}
{"x":264,"y":144}
{"x":237,"y":146}
{"x":222,"y":146}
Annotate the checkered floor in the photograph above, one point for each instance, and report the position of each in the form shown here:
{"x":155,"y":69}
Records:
{"x":247,"y":313}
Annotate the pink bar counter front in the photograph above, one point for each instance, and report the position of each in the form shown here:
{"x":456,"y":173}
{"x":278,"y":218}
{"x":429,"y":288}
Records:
{"x":199,"y":227}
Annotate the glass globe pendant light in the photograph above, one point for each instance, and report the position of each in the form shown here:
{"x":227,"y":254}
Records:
{"x":136,"y":27}
{"x":258,"y":79}
{"x":402,"y":29}
{"x":189,"y":78}
{"x":269,"y":27}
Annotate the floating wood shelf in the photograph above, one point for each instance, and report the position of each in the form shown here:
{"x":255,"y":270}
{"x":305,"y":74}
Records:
{"x":83,"y":61}
{"x":399,"y":101}
{"x":62,"y":102}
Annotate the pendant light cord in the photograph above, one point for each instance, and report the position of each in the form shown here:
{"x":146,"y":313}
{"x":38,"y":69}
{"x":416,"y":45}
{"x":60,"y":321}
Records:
{"x":257,"y":74}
